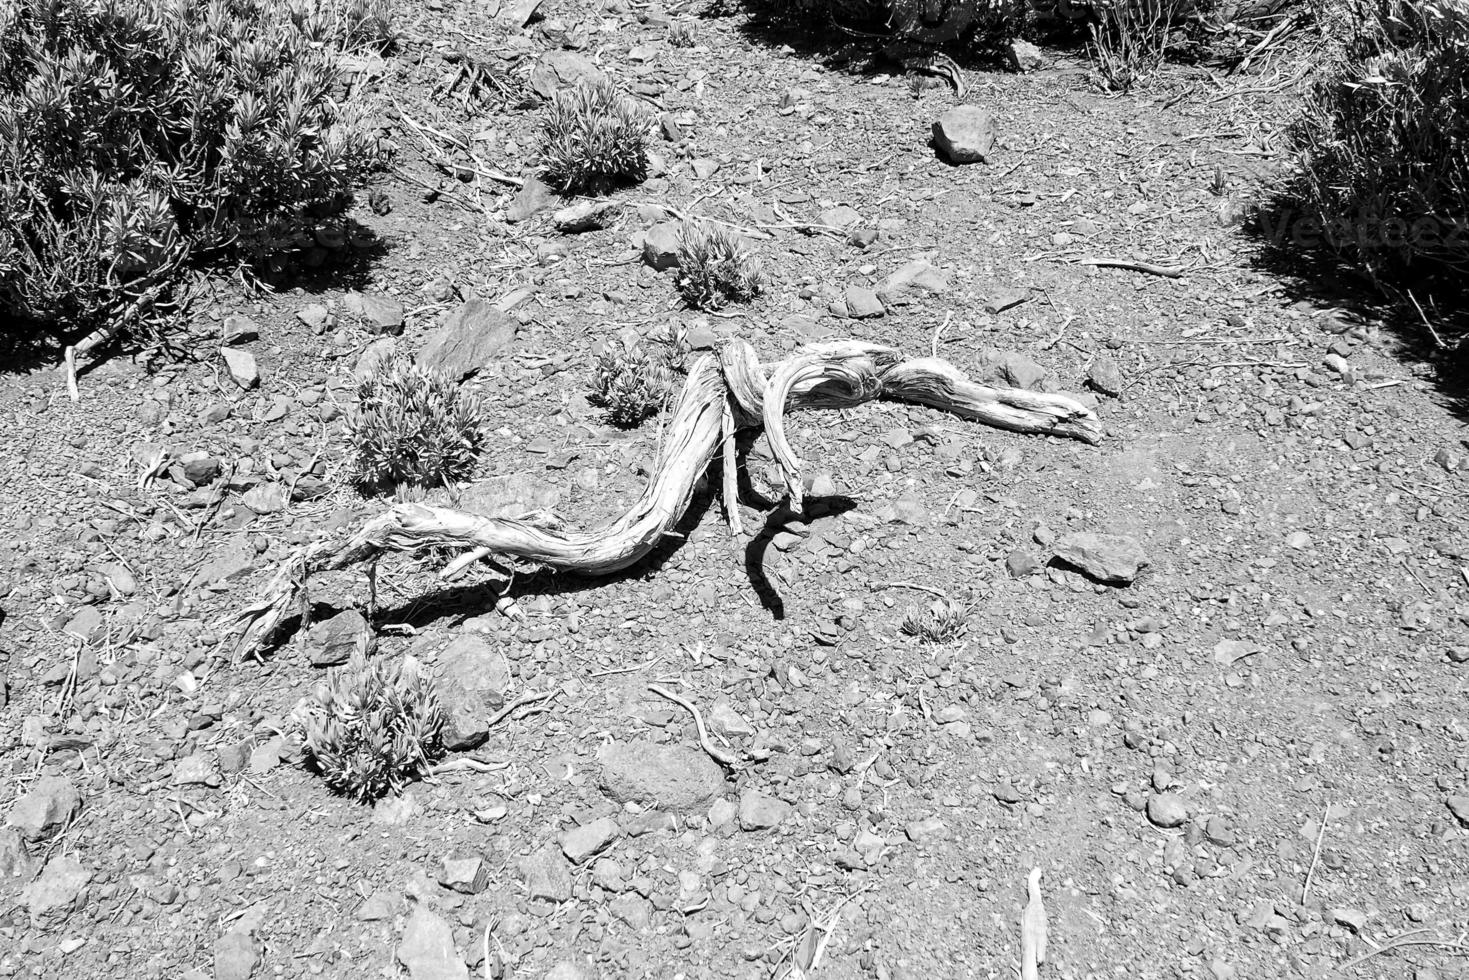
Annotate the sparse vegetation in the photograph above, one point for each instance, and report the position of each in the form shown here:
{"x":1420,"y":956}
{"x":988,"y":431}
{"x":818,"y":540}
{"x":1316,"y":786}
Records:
{"x":941,"y":621}
{"x":140,"y":136}
{"x":414,"y":425}
{"x":1129,"y":40}
{"x":594,"y":138}
{"x":374,"y":725}
{"x":681,"y":34}
{"x":634,"y":381}
{"x":715,"y":267}
{"x":1383,"y":172}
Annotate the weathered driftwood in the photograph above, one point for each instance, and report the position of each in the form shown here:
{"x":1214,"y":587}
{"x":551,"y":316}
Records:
{"x":723,"y":393}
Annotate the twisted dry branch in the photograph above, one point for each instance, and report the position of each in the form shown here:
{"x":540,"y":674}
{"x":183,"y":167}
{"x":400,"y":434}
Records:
{"x":724,"y":391}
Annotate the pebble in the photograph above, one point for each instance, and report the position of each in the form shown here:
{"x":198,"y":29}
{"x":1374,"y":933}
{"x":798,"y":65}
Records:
{"x":45,"y":808}
{"x":676,"y":777}
{"x":1167,"y":810}
{"x":236,"y":955}
{"x":761,"y":812}
{"x":547,"y":876}
{"x":1112,"y":558}
{"x":330,"y":642}
{"x":427,"y":948}
{"x":581,"y":843}
{"x":466,"y":873}
{"x":964,"y":134}
{"x":240,"y":364}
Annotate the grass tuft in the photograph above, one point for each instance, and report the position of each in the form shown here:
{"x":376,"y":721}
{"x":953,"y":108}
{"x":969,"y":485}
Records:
{"x":941,"y":621}
{"x":715,"y":267}
{"x":635,"y":381}
{"x":594,"y":139}
{"x":414,"y":425}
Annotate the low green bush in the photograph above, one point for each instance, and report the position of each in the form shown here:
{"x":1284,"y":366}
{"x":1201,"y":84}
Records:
{"x":414,"y":426}
{"x":138,"y":137}
{"x":594,"y":139}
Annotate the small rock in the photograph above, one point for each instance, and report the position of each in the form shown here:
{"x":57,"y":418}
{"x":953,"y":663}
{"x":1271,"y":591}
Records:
{"x":469,"y":340}
{"x":581,"y":843}
{"x":927,"y":831}
{"x":238,"y":330}
{"x":862,"y":303}
{"x":559,"y":69}
{"x":52,"y":896}
{"x":586,"y":216}
{"x":241,"y":366}
{"x":330,"y":642}
{"x":841,"y":217}
{"x":964,"y":134}
{"x":660,"y":246}
{"x":1024,"y":56}
{"x":1021,"y":371}
{"x":547,"y":875}
{"x":473,"y":676}
{"x":200,"y":468}
{"x":675,"y":777}
{"x":383,"y":314}
{"x":1021,"y":563}
{"x":265,"y":498}
{"x":725,"y":720}
{"x":917,"y":274}
{"x":45,"y":808}
{"x":1104,"y":375}
{"x":16,"y":863}
{"x":470,"y":875}
{"x":534,"y":196}
{"x":198,"y":769}
{"x":1005,"y":299}
{"x":1167,"y":810}
{"x":1353,"y":919}
{"x":427,"y":949}
{"x":761,"y":812}
{"x":1110,"y":558}
{"x":1459,"y":807}
{"x":236,"y":955}
{"x":315,"y":316}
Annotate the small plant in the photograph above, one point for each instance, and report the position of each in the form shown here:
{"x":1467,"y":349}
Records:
{"x":681,"y":34}
{"x":347,"y":23}
{"x":374,"y":725}
{"x":1129,"y":40}
{"x":593,"y":139}
{"x":634,"y":381}
{"x":1220,"y":183}
{"x":941,"y":621}
{"x":414,"y":425}
{"x":715,"y":267}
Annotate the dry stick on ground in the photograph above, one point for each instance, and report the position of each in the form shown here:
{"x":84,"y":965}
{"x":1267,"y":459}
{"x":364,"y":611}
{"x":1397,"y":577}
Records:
{"x":832,"y":375}
{"x":719,"y":755}
{"x":1148,"y":267}
{"x":1400,"y":942}
{"x":1316,"y":853}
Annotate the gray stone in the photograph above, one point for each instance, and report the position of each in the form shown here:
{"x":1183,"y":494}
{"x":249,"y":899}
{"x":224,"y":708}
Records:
{"x":331,"y":641}
{"x":375,"y":357}
{"x":581,"y":843}
{"x":547,"y":875}
{"x":468,"y":874}
{"x":265,"y":498}
{"x":586,"y":216}
{"x":556,"y":70}
{"x":1111,"y":558}
{"x":1024,"y":56}
{"x":241,"y":366}
{"x":660,"y":246}
{"x":51,"y":897}
{"x":473,"y":676}
{"x":198,"y":769}
{"x":381,"y":313}
{"x":964,"y":134}
{"x":1167,"y":810}
{"x":239,"y":330}
{"x":862,"y":303}
{"x":515,"y":14}
{"x":927,"y":831}
{"x":761,"y":812}
{"x":1104,"y":375}
{"x":236,"y":955}
{"x":470,"y":337}
{"x":919,"y":274}
{"x":1021,"y":563}
{"x":1021,"y":371}
{"x":1005,"y":299}
{"x":16,"y":863}
{"x":567,"y":970}
{"x":725,"y":720}
{"x":427,"y":949}
{"x":533,"y":197}
{"x":45,"y":808}
{"x":840,"y":216}
{"x":200,"y":468}
{"x":1459,"y":807}
{"x":675,"y":777}
{"x":85,"y":624}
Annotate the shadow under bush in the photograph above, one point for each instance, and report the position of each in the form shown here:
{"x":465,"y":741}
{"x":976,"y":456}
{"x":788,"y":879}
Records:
{"x":141,"y":137}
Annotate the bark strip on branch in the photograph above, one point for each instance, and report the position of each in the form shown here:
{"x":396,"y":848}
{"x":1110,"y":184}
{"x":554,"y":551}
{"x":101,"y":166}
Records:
{"x":724,"y":391}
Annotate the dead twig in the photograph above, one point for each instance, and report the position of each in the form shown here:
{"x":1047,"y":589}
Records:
{"x":521,"y":702}
{"x":1153,"y":270}
{"x":1399,"y":942}
{"x":719,"y":755}
{"x":878,"y":586}
{"x":1316,"y":854}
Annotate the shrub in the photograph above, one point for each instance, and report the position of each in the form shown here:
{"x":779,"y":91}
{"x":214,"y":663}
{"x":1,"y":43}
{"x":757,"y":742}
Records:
{"x":633,"y":381}
{"x":138,"y":136}
{"x":414,"y":425}
{"x":375,"y":724}
{"x":1382,"y":148}
{"x":941,"y":621}
{"x":594,"y":138}
{"x":715,"y":267}
{"x":1129,"y":40}
{"x":681,"y":34}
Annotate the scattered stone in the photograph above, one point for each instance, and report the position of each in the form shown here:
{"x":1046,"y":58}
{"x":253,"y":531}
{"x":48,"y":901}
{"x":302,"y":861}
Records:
{"x":200,"y":468}
{"x":511,"y":495}
{"x":1353,"y":919}
{"x":1112,"y":558}
{"x":378,"y":906}
{"x":236,"y":955}
{"x":862,"y":303}
{"x":198,"y":769}
{"x":1005,"y":299}
{"x":1024,"y":56}
{"x":427,"y":949}
{"x":581,"y":843}
{"x":315,"y":316}
{"x":675,"y":777}
{"x":470,"y":337}
{"x":556,"y":70}
{"x":53,"y":896}
{"x":16,"y":863}
{"x":1021,"y":563}
{"x":470,"y":875}
{"x":239,"y":330}
{"x":515,"y":14}
{"x":761,"y":812}
{"x":1104,"y":375}
{"x":1459,"y":807}
{"x":586,"y":216}
{"x":547,"y":875}
{"x":241,"y":366}
{"x":703,"y":167}
{"x":331,"y":641}
{"x":919,"y":274}
{"x":1021,"y":371}
{"x":533,"y":197}
{"x":927,"y":831}
{"x":964,"y":134}
{"x":725,"y":720}
{"x":841,"y":217}
{"x":45,"y":808}
{"x":660,"y":246}
{"x":567,"y":970}
{"x":473,"y":676}
{"x":265,"y":498}
{"x":1167,"y":810}
{"x":85,"y":624}
{"x":381,"y":313}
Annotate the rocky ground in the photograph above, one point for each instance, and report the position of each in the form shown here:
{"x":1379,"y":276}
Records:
{"x":1212,"y":677}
